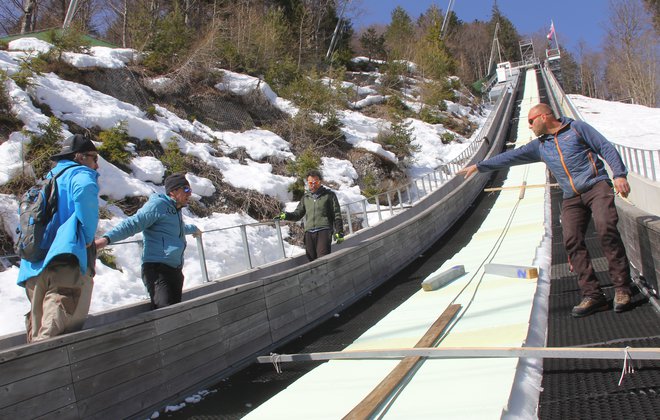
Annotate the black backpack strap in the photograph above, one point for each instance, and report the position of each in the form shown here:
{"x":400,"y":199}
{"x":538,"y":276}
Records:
{"x":53,"y":190}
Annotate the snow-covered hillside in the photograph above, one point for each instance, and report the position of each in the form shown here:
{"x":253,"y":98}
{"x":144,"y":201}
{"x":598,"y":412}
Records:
{"x":79,"y":104}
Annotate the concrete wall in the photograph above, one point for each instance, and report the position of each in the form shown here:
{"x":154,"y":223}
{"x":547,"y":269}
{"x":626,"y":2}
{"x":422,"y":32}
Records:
{"x":641,"y":235}
{"x":132,"y":361}
{"x":644,"y":193}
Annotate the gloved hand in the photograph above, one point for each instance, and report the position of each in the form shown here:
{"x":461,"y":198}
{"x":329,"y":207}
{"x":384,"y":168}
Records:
{"x":339,"y":237}
{"x":281,"y":216}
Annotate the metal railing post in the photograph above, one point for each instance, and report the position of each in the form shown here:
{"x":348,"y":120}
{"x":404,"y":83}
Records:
{"x":398,"y":193}
{"x":423,"y":188}
{"x":380,"y":216}
{"x":246,"y":248}
{"x":278,"y":229}
{"x":364,"y":212}
{"x":653,"y":165}
{"x":350,"y":222}
{"x":389,"y":203}
{"x":202,"y":259}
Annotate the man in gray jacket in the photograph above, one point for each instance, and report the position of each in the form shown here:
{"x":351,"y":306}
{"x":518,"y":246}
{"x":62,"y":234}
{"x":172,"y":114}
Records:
{"x":572,"y":151}
{"x":164,"y":240}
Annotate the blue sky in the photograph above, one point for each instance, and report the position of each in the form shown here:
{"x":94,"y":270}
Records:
{"x":574,"y":20}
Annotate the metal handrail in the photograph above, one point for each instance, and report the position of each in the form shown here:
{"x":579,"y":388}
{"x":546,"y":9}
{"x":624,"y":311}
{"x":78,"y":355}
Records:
{"x":642,"y":162}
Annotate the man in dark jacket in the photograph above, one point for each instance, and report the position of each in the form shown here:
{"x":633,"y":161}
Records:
{"x":59,"y":287}
{"x":572,"y":151}
{"x":321,"y":209}
{"x":164,"y":240}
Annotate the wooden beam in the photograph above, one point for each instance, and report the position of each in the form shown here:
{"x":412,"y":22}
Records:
{"x":635,"y":353}
{"x":382,"y":392}
{"x":436,"y":281}
{"x":517,"y":187}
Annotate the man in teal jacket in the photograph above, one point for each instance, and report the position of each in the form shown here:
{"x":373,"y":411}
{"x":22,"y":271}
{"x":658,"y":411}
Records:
{"x":60,"y":286}
{"x":320,"y":207}
{"x":164,"y":240}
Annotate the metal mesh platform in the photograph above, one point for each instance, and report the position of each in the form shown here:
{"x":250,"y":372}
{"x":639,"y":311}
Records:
{"x":579,"y":389}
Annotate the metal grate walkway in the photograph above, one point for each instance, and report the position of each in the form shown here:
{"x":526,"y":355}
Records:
{"x":580,"y":389}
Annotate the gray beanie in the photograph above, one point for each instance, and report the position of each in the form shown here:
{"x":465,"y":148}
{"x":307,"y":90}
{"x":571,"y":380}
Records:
{"x":175,"y":181}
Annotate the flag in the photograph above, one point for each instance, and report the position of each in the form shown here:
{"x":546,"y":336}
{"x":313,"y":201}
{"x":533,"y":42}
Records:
{"x":552,"y":31}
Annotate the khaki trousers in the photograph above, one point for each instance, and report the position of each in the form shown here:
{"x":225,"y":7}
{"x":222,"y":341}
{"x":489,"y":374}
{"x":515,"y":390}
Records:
{"x":60,"y":297}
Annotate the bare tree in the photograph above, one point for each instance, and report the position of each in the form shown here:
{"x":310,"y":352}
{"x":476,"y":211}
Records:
{"x":29,"y":16}
{"x":470,"y":46}
{"x":633,"y":53}
{"x":11,"y":15}
{"x":591,"y":71}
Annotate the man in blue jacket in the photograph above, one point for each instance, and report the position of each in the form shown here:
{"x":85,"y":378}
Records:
{"x":572,"y":151}
{"x":164,"y":240}
{"x":60,"y":286}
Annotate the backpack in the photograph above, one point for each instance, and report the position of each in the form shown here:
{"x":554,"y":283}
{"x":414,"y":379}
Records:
{"x":35,"y":211}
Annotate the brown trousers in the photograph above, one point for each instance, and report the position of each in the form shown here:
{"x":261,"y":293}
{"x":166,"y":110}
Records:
{"x":598,"y":204}
{"x":60,"y":297}
{"x":318,"y":244}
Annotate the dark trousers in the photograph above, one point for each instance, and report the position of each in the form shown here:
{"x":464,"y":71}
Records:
{"x":597,"y":203}
{"x":317,"y":244}
{"x":164,"y":284}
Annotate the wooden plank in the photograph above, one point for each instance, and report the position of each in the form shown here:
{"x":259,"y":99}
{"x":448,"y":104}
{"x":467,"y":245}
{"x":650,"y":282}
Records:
{"x":367,"y":407}
{"x":40,"y":405}
{"x":287,"y":323}
{"x":108,"y":361}
{"x":239,"y":299}
{"x":70,"y":412}
{"x":23,"y":367}
{"x":121,"y":394}
{"x":174,"y":372}
{"x":281,"y":285}
{"x":239,"y":313}
{"x":436,"y":281}
{"x":88,"y":387}
{"x":321,"y":305}
{"x":108,"y":342}
{"x":283,"y":294}
{"x":229,"y":331}
{"x":243,"y":333}
{"x":153,"y":399}
{"x":34,"y":386}
{"x":277,"y":307}
{"x":507,"y":270}
{"x":183,"y":335}
{"x":201,"y":375}
{"x":185,"y":318}
{"x":247,"y":350}
{"x":517,"y":187}
{"x":190,"y":348}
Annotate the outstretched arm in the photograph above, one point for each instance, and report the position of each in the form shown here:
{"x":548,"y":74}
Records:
{"x":468,"y":171}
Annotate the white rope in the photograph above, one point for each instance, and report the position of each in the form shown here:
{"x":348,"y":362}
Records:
{"x":627,"y":365}
{"x":275,"y":358}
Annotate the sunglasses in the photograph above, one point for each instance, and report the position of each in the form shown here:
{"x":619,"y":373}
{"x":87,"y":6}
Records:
{"x":95,"y":158}
{"x":531,"y":120}
{"x":187,"y":190}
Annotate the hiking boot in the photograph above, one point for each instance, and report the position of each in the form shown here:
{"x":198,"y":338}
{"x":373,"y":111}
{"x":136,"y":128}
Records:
{"x":621,"y":300}
{"x":590,"y":305}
